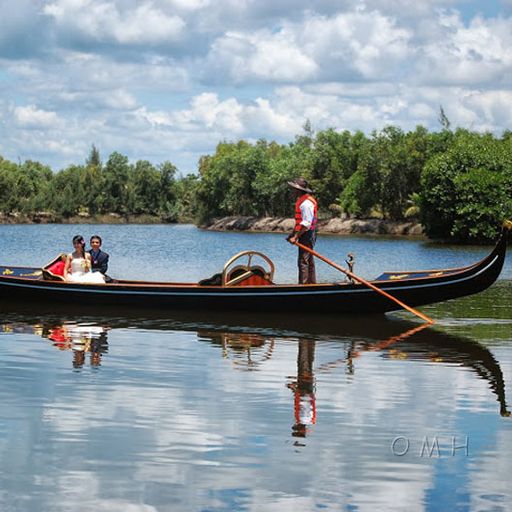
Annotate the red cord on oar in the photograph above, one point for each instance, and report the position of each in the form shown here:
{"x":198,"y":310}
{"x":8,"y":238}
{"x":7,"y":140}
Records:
{"x":365,"y":282}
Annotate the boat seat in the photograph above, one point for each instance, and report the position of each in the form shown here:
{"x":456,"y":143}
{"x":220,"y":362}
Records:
{"x":236,"y":273}
{"x":54,"y":271}
{"x":252,"y":276}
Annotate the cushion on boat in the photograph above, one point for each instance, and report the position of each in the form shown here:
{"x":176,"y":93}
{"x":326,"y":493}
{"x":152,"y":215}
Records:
{"x":240,"y":276}
{"x":254,"y":276}
{"x":54,"y":271}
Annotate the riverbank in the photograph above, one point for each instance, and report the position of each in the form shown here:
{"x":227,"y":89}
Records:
{"x":328,"y":226}
{"x":254,"y":224}
{"x":109,"y":218}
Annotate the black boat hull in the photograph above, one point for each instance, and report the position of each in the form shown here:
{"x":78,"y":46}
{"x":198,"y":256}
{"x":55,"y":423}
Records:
{"x":23,"y":284}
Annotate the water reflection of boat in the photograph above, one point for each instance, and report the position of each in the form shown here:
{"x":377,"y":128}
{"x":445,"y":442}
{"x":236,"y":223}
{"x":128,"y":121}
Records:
{"x":252,"y":339}
{"x":80,"y":338}
{"x":245,"y":349}
{"x":247,"y":287}
{"x":442,"y":348}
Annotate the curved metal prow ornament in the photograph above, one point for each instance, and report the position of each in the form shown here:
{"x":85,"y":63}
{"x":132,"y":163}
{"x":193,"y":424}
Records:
{"x":350,"y":261}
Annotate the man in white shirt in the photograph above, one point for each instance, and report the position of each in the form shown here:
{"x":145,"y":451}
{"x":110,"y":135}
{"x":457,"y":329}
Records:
{"x":304,"y":232}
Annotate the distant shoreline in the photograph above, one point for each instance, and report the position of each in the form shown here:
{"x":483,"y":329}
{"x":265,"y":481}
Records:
{"x":334,"y":226}
{"x":108,"y":218}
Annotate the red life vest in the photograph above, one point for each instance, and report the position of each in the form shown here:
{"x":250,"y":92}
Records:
{"x":305,"y":408}
{"x":298,"y":214}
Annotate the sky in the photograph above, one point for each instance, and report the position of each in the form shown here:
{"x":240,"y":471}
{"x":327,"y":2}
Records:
{"x":167,"y":80}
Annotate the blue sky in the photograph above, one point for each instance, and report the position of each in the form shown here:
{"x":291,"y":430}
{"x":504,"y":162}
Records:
{"x":169,"y":79}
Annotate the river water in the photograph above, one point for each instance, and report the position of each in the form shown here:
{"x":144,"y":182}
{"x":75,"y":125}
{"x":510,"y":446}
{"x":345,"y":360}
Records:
{"x":200,"y":411}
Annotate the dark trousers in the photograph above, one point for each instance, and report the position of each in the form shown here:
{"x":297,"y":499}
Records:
{"x":306,"y":261}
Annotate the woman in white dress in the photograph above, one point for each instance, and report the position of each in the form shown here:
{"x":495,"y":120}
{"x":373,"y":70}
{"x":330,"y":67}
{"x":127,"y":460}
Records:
{"x":78,"y":265}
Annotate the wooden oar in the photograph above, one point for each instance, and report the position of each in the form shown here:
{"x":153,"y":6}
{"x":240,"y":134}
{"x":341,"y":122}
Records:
{"x":365,"y":282}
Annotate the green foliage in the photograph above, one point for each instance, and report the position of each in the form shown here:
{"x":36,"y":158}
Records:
{"x":93,"y":160}
{"x":167,"y":200}
{"x":8,"y":186}
{"x":356,"y":199}
{"x":185,"y":206}
{"x":271,"y":187}
{"x":251,"y":179}
{"x":459,"y":183}
{"x":414,"y":209}
{"x":66,"y":193}
{"x":333,"y":161}
{"x":483,"y":199}
{"x":115,"y":193}
{"x":467,"y":190}
{"x":118,"y":187}
{"x":23,"y":188}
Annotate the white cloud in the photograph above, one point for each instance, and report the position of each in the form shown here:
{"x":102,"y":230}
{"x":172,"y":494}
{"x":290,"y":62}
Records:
{"x":106,"y":21}
{"x":491,"y":109}
{"x":168,"y":79}
{"x":189,"y":5}
{"x":92,"y":72}
{"x":406,"y":8}
{"x":476,"y":54}
{"x":280,"y":116}
{"x":266,"y":56}
{"x":33,"y":117}
{"x":155,"y":118}
{"x":352,"y":89}
{"x":206,"y":112}
{"x":266,"y":118}
{"x":116,"y":99}
{"x":331,"y":110}
{"x":364,"y":44}
{"x":209,"y":111}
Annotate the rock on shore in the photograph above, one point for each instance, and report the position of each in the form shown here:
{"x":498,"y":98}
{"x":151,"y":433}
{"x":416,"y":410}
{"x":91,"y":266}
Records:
{"x":331,"y":226}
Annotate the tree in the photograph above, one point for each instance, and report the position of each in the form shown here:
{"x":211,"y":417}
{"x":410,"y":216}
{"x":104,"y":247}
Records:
{"x":66,"y":196}
{"x":115,"y":184}
{"x":185,"y":206}
{"x":143,"y":189}
{"x":8,"y":189}
{"x":93,"y":160}
{"x":332,"y":164}
{"x":443,"y":120}
{"x":168,"y":207}
{"x":467,"y":191}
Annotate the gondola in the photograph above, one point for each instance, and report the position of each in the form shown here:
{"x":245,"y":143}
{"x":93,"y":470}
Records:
{"x":246,"y":284}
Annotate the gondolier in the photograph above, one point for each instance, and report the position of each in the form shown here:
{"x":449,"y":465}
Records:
{"x":304,"y":231}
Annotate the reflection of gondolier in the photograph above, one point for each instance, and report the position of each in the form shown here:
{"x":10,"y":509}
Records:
{"x":304,"y":231}
{"x":304,"y":403}
{"x":305,"y":412}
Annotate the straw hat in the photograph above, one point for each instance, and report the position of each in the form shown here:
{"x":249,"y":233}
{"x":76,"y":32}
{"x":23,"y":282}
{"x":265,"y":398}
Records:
{"x":301,"y":184}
